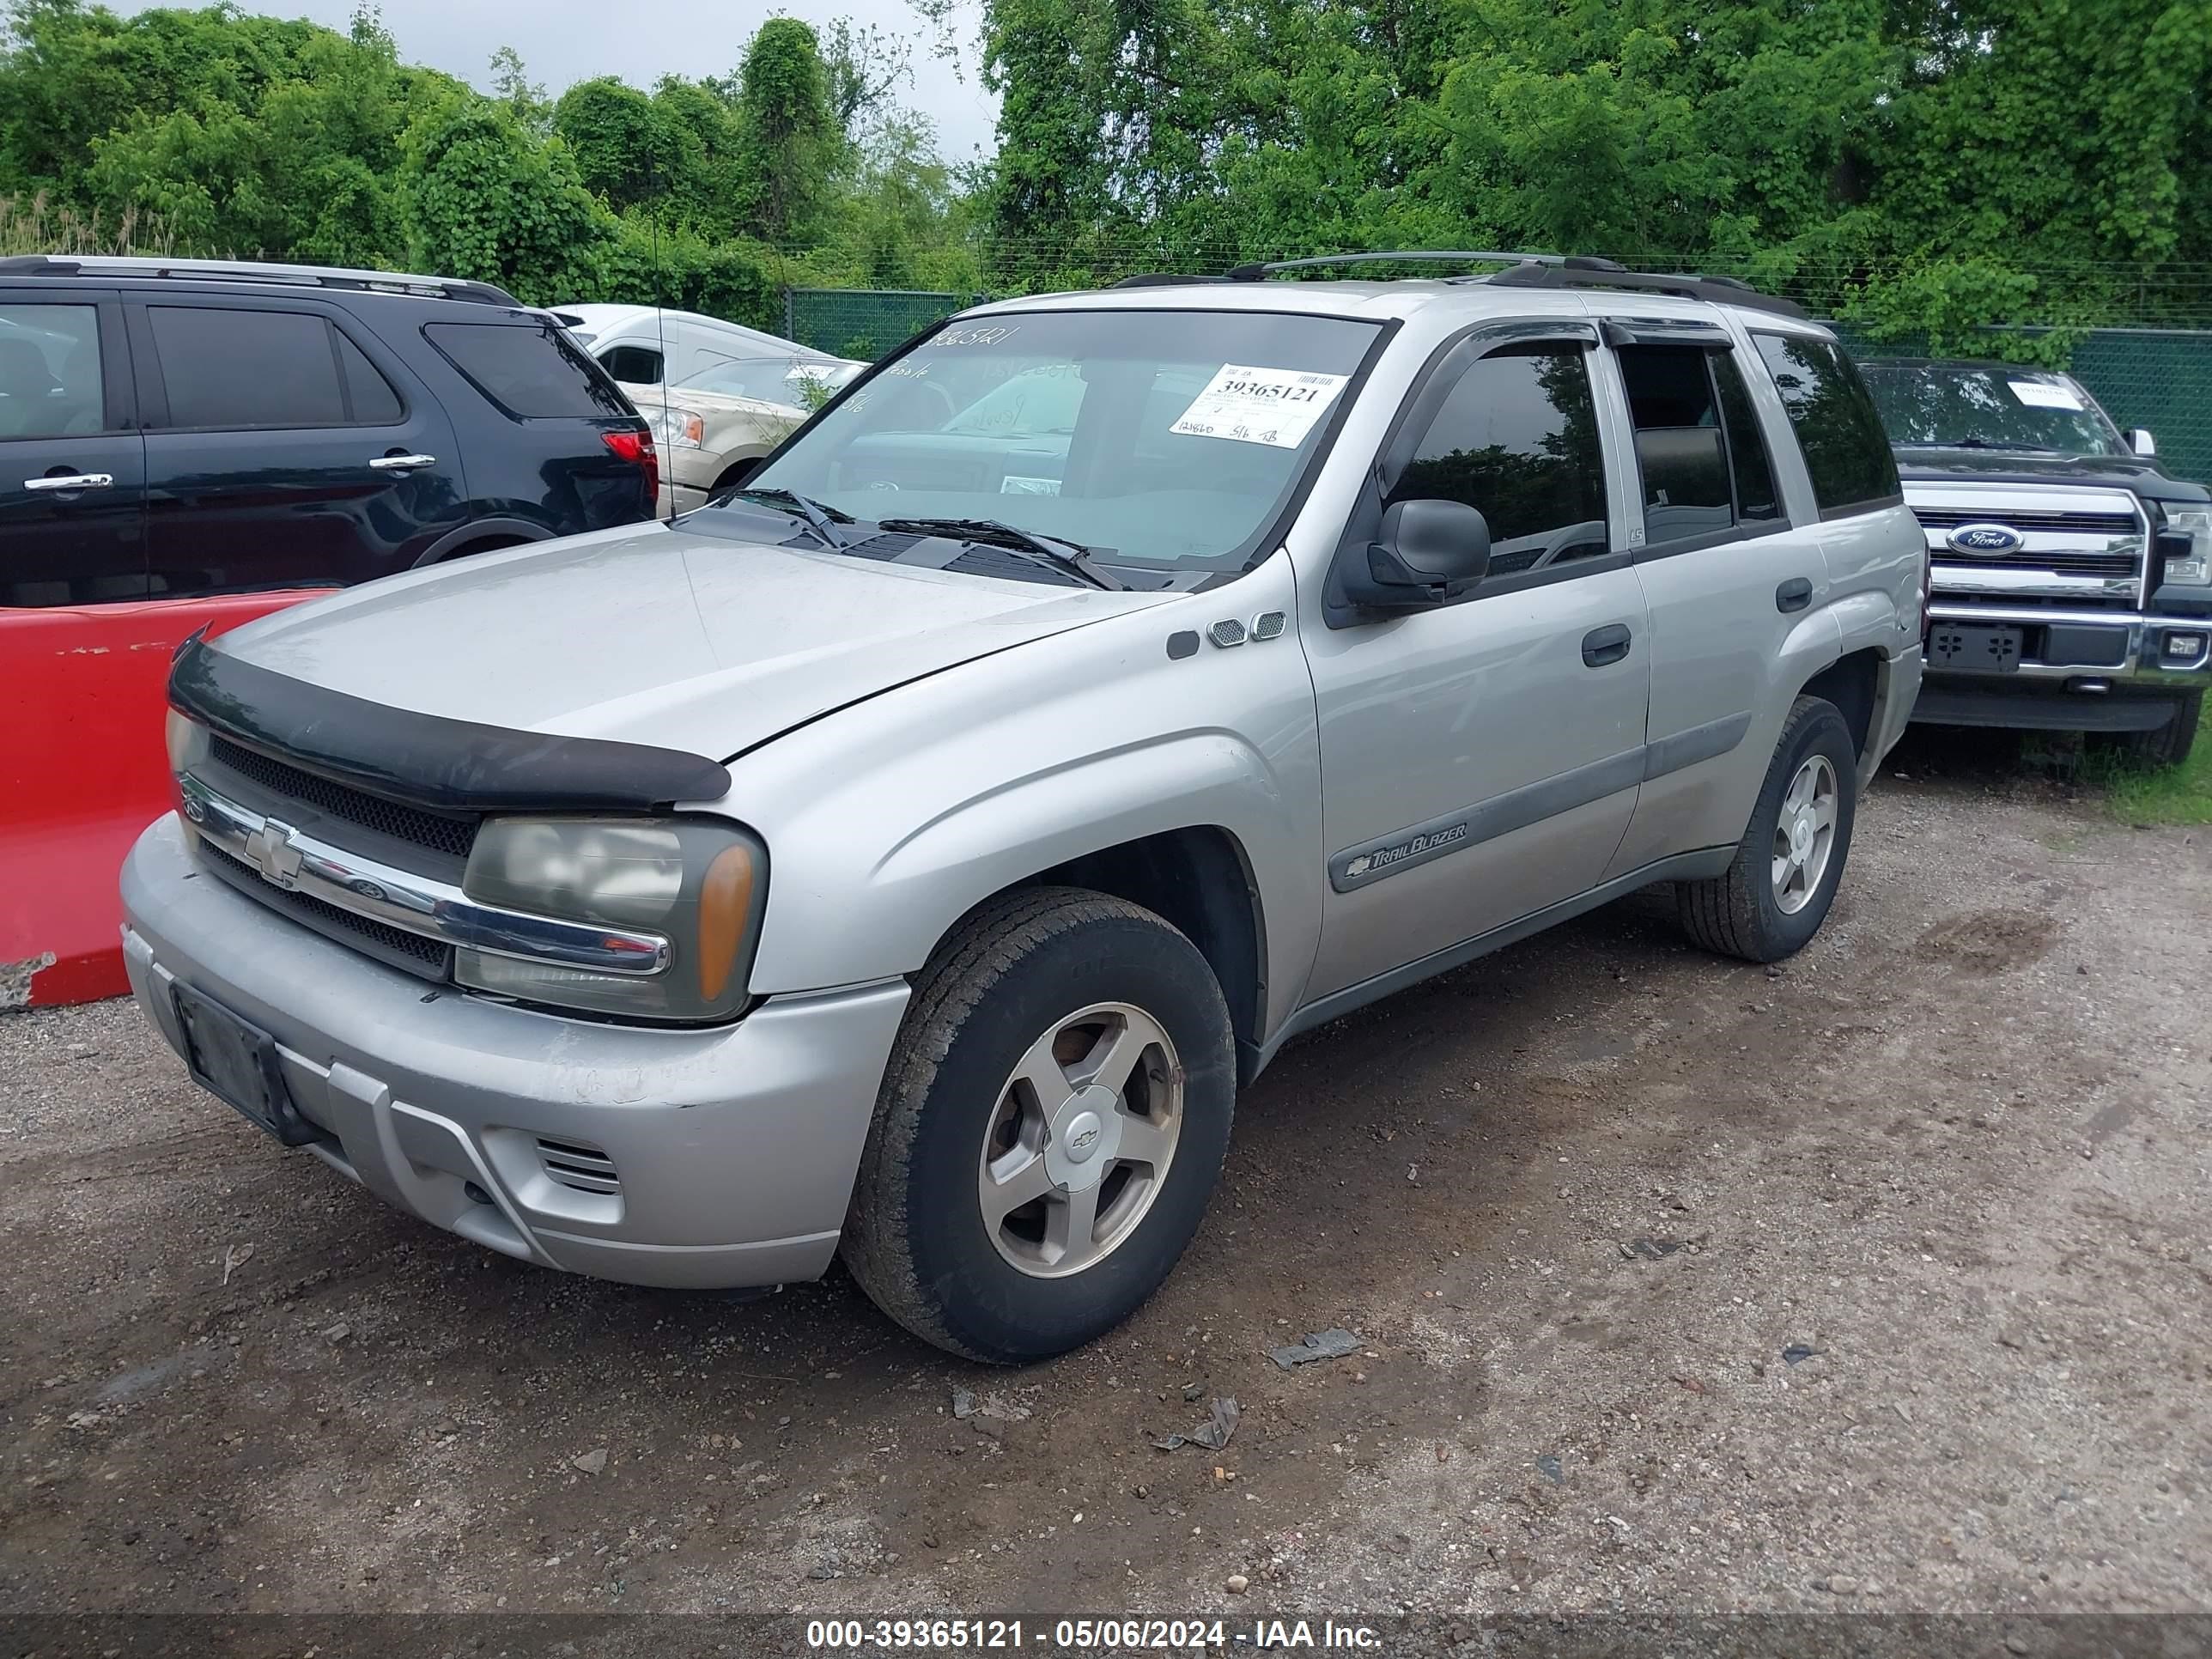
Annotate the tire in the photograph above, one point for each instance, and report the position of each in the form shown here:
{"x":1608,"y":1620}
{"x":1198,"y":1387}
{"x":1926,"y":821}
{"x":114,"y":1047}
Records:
{"x":1748,"y":910}
{"x":957,"y":1122}
{"x":2168,"y":746}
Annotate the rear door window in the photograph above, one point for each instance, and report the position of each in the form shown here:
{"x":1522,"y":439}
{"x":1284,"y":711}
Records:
{"x":234,"y":370}
{"x":371,"y":400}
{"x":1749,"y":463}
{"x":1702,"y":456}
{"x":1846,"y":452}
{"x":530,"y":370}
{"x":49,"y":371}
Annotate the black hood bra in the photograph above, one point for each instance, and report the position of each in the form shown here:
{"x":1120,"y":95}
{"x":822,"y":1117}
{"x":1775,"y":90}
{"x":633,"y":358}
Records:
{"x":429,"y":760}
{"x":2143,"y":477}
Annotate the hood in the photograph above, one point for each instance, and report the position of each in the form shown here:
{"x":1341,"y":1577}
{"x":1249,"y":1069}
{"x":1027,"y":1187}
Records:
{"x":659,"y":636}
{"x":1917,"y":465}
{"x":648,"y":400}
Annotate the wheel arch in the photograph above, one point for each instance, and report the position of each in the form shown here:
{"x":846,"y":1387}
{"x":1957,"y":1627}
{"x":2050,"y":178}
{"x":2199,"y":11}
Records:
{"x":480,"y":535}
{"x":1200,"y":881}
{"x":1850,"y":683}
{"x":740,"y":465}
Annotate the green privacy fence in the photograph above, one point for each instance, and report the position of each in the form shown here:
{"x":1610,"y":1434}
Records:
{"x":861,"y":322}
{"x":2160,"y":378}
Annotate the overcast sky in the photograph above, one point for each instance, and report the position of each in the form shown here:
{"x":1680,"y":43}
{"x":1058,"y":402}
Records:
{"x":564,"y":41}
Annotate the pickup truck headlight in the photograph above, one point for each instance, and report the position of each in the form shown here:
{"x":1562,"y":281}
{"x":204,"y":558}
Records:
{"x":677,"y":429}
{"x":699,"y":884}
{"x":2194,"y":568}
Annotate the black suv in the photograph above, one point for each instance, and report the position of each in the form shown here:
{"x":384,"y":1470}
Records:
{"x":172,"y":427}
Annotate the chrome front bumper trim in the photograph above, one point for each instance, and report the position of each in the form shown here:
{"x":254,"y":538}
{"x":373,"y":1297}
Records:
{"x":295,"y":862}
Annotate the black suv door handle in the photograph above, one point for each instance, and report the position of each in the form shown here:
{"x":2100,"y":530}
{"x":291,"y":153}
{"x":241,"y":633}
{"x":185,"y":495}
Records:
{"x":1793,"y":595}
{"x":1604,"y":645}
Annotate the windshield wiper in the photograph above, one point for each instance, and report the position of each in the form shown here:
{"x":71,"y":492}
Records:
{"x":821,"y":521}
{"x":1054,"y":551}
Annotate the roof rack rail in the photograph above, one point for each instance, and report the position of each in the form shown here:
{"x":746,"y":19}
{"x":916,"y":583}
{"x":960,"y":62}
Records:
{"x":246,"y":270}
{"x":1253,"y":273}
{"x":1164,"y":279}
{"x":1604,"y":273}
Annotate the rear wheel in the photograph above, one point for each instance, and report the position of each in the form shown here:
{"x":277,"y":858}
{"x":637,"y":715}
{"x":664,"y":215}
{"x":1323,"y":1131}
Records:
{"x":1772,"y":899}
{"x":1051,"y":1126}
{"x":2169,"y":745}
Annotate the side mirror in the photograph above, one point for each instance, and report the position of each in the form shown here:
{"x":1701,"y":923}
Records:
{"x":1425,"y":550}
{"x":2139,"y":441}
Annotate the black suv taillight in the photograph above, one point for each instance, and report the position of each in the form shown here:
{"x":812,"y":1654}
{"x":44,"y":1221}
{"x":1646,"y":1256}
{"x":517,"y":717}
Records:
{"x":637,"y":448}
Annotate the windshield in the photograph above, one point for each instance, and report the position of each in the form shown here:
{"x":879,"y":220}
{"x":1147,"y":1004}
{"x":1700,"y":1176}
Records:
{"x":1155,"y":438}
{"x":781,"y":380}
{"x":1996,"y":407}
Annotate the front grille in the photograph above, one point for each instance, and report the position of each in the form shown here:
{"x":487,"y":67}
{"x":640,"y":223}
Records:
{"x":2081,"y":548}
{"x":579,"y":1169}
{"x":2090,"y":523}
{"x":451,"y":835}
{"x":2122,"y":563}
{"x":411,"y":952}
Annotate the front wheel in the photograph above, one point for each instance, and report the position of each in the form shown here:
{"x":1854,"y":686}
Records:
{"x":1051,"y":1124}
{"x":1772,"y":899}
{"x":2169,"y":745}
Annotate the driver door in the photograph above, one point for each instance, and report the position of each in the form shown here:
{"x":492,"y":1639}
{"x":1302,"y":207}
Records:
{"x":1480,"y":761}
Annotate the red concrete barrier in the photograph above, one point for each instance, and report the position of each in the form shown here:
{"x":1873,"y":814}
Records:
{"x":82,"y":770}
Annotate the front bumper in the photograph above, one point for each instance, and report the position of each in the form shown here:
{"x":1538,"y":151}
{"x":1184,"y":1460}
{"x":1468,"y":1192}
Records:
{"x":2091,"y":670}
{"x":729,"y":1153}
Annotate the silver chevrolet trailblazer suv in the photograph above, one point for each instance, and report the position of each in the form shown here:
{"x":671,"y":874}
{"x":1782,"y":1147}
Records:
{"x":912,"y":853}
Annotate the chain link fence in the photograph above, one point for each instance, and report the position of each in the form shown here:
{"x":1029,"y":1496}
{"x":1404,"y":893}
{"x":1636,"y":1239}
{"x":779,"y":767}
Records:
{"x":863,"y":323}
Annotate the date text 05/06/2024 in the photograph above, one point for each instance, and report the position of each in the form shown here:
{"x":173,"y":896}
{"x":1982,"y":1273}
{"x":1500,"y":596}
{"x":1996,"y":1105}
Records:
{"x":1086,"y":1635}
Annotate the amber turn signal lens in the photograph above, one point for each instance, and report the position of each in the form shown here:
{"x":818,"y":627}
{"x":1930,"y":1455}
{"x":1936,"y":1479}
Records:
{"x":726,"y":905}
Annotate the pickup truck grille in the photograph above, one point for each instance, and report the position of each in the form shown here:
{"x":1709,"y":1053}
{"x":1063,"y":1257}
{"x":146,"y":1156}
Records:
{"x":2081,"y":548}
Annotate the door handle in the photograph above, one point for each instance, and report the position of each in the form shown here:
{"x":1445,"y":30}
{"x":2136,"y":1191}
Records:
{"x":402,"y":463}
{"x":1793,"y":595}
{"x":1604,"y":645}
{"x":72,"y":481}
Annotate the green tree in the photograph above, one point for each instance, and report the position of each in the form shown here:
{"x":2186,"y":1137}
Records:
{"x":525,"y":99}
{"x":786,"y":141}
{"x":482,"y":200}
{"x":627,"y":147}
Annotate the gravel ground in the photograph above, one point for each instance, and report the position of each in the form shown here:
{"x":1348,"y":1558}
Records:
{"x":1877,"y":1281}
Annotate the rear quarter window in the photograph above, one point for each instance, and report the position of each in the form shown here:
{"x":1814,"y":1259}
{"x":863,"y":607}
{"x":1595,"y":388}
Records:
{"x":1846,"y":450}
{"x":530,"y":371}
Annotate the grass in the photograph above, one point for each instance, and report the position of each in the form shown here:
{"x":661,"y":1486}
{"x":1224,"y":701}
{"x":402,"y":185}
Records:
{"x":2171,"y":794}
{"x":37,"y":225}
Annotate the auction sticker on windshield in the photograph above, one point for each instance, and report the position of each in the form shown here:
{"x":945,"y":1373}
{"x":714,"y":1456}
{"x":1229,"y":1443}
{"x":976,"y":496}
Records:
{"x":1276,"y":406}
{"x":2042,"y":394}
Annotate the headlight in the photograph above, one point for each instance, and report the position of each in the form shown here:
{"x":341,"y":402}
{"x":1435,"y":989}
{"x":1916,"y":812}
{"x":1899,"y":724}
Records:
{"x":2194,"y":568}
{"x":699,"y":884}
{"x":187,"y":741}
{"x":677,"y":429}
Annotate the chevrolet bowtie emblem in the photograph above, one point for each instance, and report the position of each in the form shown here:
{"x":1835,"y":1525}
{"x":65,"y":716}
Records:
{"x":271,"y":851}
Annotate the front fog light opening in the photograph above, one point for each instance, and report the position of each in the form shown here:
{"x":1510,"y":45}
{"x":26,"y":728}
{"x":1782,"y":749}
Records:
{"x":699,"y":884}
{"x":2181,"y":648}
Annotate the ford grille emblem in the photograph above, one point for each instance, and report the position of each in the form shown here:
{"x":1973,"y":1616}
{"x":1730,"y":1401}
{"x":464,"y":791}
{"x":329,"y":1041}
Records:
{"x":1986,"y":541}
